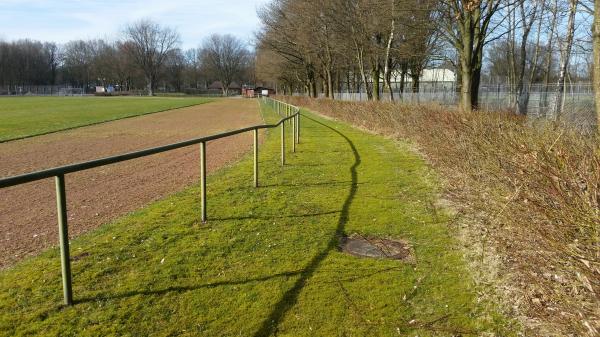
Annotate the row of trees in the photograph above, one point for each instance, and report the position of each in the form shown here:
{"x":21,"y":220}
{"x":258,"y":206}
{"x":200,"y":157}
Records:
{"x":358,"y":43}
{"x":361,"y":44}
{"x":147,"y":57}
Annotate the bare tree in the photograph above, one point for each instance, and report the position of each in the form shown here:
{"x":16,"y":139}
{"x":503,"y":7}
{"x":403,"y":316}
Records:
{"x":596,"y":42}
{"x":565,"y":56}
{"x":226,"y":58}
{"x":78,"y":62}
{"x":528,"y":17}
{"x":149,"y":45}
{"x":466,"y":24}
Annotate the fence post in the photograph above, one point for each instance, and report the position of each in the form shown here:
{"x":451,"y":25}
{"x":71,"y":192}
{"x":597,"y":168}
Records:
{"x":63,"y":233}
{"x":255,"y":157}
{"x":298,"y":126}
{"x":203,"y":179}
{"x":282,"y":143}
{"x":293,"y":121}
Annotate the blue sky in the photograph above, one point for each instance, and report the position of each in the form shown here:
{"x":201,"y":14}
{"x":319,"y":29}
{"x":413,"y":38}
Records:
{"x":64,"y":20}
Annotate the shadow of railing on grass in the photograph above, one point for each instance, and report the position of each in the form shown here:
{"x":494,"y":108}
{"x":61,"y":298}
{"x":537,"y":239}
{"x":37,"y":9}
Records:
{"x":289,"y":299}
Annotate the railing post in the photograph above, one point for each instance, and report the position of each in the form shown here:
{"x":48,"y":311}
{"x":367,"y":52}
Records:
{"x":293,"y":121}
{"x":296,"y":120}
{"x":283,"y":143}
{"x":203,"y":180}
{"x":63,"y":234}
{"x":255,"y":157}
{"x":298,"y":126}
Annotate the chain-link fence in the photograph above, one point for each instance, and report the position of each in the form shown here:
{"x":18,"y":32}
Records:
{"x":576,"y":105}
{"x":40,"y":90}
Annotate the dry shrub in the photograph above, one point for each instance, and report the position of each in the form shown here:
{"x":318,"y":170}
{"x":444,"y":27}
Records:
{"x":530,"y":194}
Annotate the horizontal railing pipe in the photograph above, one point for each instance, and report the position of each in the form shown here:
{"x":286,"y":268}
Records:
{"x":59,"y":174}
{"x":49,"y":173}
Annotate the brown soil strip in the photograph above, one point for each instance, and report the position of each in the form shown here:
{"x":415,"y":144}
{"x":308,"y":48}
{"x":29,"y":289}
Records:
{"x":94,"y":123}
{"x":28,"y":212}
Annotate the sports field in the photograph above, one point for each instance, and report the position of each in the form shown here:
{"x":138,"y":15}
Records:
{"x":30,"y":116}
{"x":28,"y":212}
{"x":268,"y":260}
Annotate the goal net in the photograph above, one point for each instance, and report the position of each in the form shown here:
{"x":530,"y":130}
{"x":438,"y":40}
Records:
{"x":70,"y":92}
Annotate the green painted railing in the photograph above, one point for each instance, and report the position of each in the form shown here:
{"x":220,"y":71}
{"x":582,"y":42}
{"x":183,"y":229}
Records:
{"x":289,"y":114}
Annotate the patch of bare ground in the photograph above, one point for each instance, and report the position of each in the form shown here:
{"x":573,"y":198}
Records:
{"x":28,"y":212}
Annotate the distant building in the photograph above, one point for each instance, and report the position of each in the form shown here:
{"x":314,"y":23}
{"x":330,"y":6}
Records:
{"x":262,"y":90}
{"x":438,"y":75}
{"x":431,"y":79}
{"x":217,"y":87}
{"x":247,"y":91}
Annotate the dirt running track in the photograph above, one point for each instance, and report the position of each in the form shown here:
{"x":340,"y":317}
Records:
{"x":28,"y":212}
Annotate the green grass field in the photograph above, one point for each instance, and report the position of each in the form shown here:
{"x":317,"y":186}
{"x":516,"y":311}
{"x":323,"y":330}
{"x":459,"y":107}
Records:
{"x":30,"y":116}
{"x":267,"y":262}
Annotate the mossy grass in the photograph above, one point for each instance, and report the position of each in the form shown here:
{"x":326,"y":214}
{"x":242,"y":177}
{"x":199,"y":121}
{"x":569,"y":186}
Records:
{"x":22,"y":117}
{"x":267,"y":261}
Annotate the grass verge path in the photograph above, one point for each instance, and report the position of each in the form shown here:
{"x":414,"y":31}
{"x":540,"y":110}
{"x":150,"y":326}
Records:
{"x":23,"y":117}
{"x":267,"y":261}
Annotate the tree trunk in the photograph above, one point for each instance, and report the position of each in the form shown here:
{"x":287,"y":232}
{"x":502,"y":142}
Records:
{"x":375,"y":79}
{"x":386,"y":70}
{"x":596,"y":41}
{"x":150,"y":87}
{"x":523,"y":101}
{"x":466,"y":98}
{"x":564,"y":60}
{"x":388,"y":80}
{"x":534,"y":63}
{"x":546,"y":81}
{"x":329,"y":83}
{"x":363,"y":74}
{"x":416,"y":84}
{"x":403,"y":80}
{"x":475,"y":81}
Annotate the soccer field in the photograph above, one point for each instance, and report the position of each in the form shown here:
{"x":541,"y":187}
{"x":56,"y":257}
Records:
{"x":29,"y":116}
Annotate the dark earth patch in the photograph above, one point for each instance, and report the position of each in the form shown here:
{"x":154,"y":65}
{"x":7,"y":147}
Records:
{"x":377,"y":248}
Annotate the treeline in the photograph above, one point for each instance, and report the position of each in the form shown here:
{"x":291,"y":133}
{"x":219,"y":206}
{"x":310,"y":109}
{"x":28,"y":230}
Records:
{"x":28,"y":62}
{"x":148,"y":57}
{"x":324,"y":45}
{"x":360,"y":45}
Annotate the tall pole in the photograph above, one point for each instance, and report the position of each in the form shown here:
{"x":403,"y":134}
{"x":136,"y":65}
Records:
{"x":293,"y":121}
{"x":203,"y":179}
{"x":283,"y":143}
{"x":298,"y":127}
{"x":63,"y":234}
{"x":255,"y":157}
{"x":596,"y":66}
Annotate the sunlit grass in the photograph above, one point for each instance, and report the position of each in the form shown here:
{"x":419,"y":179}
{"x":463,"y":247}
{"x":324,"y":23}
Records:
{"x":30,"y":116}
{"x":267,"y":261}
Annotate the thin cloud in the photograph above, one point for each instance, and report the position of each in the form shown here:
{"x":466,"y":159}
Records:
{"x":62,"y":21}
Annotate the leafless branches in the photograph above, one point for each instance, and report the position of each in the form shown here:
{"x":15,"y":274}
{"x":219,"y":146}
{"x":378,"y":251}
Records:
{"x":224,"y":57}
{"x":149,"y":44}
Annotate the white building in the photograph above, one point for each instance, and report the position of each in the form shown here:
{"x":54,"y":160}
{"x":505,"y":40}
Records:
{"x":430,"y":75}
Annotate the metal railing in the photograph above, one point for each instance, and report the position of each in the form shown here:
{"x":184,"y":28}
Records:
{"x":287,"y":112}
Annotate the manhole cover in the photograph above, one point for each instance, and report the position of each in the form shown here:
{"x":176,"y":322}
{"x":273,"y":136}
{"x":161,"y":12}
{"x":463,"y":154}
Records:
{"x":378,"y":248}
